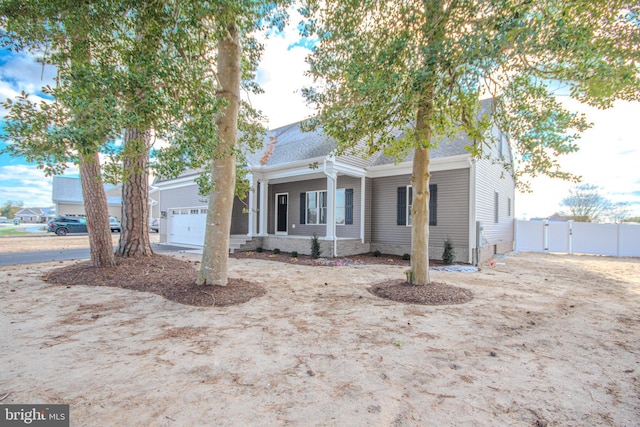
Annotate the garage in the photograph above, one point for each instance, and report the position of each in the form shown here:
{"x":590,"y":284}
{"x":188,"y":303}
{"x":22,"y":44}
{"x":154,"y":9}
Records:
{"x":187,"y":225}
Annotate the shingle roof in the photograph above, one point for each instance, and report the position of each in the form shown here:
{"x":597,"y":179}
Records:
{"x":292,"y":144}
{"x":288,"y":144}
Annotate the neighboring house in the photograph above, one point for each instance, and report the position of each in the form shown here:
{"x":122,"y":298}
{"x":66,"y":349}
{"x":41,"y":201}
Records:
{"x":68,"y":200}
{"x":35,"y":215}
{"x":556,"y":217}
{"x":355,"y":205}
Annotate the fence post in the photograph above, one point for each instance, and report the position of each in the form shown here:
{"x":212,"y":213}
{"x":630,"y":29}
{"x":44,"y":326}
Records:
{"x":545,"y":236}
{"x":570,"y":243}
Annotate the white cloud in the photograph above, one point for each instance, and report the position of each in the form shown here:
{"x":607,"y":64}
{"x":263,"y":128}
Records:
{"x":281,"y":76}
{"x":26,"y":74}
{"x":25,"y":183}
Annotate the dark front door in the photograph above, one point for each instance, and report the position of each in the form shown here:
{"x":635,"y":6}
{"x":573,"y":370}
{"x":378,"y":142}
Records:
{"x":281,"y":206}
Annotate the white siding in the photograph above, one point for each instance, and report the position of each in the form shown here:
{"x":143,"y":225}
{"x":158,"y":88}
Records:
{"x":491,"y":178}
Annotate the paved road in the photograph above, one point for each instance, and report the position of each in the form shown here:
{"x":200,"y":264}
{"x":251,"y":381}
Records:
{"x":67,"y":254}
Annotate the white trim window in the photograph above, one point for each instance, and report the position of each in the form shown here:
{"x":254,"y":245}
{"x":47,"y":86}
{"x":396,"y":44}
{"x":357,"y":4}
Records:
{"x":341,"y":206}
{"x":405,"y":203}
{"x":316,"y":207}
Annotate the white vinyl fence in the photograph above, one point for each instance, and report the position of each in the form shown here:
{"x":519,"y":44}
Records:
{"x":578,"y":238}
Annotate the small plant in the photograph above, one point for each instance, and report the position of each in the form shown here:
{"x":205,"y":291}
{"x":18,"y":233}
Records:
{"x":260,"y":250}
{"x":449,"y":254}
{"x":315,"y":247}
{"x":294,"y":254}
{"x":410,"y":276}
{"x":276,"y":251}
{"x":377,"y":254}
{"x":406,"y":257}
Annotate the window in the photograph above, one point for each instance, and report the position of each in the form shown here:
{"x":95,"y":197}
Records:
{"x":405,"y":203}
{"x":313,"y":207}
{"x":496,"y":207}
{"x":315,"y":211}
{"x":509,"y":207}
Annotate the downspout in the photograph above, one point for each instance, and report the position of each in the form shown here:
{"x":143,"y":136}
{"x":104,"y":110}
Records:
{"x":335,"y":184}
{"x":473,"y":248}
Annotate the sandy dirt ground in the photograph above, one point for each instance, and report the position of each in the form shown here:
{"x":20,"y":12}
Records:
{"x":547,"y":340}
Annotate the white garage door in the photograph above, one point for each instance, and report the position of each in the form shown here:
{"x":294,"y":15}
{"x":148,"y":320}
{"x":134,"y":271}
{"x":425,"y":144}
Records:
{"x":187,"y":225}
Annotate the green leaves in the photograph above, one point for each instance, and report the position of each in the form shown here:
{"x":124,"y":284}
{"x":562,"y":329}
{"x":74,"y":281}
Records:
{"x":377,"y":62}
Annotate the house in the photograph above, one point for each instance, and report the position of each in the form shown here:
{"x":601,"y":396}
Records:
{"x":556,"y":217}
{"x":35,"y":215}
{"x":68,"y":200}
{"x":353,"y":204}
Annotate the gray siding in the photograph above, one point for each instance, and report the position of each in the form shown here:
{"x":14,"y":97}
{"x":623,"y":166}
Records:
{"x":351,"y":230}
{"x":187,"y":197}
{"x":295,"y":188}
{"x":181,"y":197}
{"x":240,"y":216}
{"x":452,"y":213}
{"x":491,"y":178}
{"x":368,"y":190}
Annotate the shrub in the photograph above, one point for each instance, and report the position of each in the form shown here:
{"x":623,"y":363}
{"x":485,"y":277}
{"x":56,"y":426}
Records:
{"x":315,"y":247}
{"x":449,"y":254}
{"x":377,"y":254}
{"x":276,"y":251}
{"x":259,"y":250}
{"x":406,"y":257}
{"x":294,"y":254}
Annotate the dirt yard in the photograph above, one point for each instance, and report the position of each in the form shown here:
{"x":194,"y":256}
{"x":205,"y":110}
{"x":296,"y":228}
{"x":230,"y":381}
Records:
{"x":546,"y":340}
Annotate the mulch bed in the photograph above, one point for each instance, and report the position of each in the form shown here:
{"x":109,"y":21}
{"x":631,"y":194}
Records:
{"x":363,"y":259}
{"x":167,"y":276}
{"x":432,"y":294}
{"x":175,"y":279}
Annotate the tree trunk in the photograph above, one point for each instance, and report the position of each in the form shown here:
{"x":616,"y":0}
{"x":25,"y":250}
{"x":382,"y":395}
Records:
{"x":215,"y":256}
{"x":420,"y":189}
{"x":95,"y":207}
{"x":134,"y":234}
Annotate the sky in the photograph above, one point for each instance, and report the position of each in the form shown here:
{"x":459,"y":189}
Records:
{"x":609,"y":154}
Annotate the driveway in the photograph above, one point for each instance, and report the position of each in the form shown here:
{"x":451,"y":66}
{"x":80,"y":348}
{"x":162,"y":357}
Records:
{"x":48,"y":248}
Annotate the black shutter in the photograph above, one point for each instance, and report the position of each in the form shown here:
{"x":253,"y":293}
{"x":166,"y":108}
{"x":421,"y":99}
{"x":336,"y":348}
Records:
{"x":433,"y":204}
{"x":303,"y":208}
{"x":348,"y":206}
{"x":402,"y":206}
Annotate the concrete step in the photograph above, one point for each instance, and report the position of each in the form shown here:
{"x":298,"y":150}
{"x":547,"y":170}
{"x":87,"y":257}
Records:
{"x":237,"y":241}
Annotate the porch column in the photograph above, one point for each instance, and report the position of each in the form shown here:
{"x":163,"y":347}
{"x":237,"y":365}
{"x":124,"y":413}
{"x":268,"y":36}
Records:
{"x":331,"y":203}
{"x":253,"y":191}
{"x":363,"y":183}
{"x":264,"y":206}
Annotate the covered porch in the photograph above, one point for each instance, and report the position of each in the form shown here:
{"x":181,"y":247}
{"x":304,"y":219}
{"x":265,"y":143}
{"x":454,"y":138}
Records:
{"x":287,"y":206}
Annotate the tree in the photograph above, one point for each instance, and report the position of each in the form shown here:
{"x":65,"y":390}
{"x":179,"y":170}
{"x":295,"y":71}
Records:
{"x":586,"y":203}
{"x":237,"y":56}
{"x":419,"y":68}
{"x":9,"y":209}
{"x":619,"y":212}
{"x":73,"y":127}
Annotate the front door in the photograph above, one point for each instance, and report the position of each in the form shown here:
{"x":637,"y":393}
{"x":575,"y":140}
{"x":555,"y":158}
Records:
{"x":282,"y":202}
